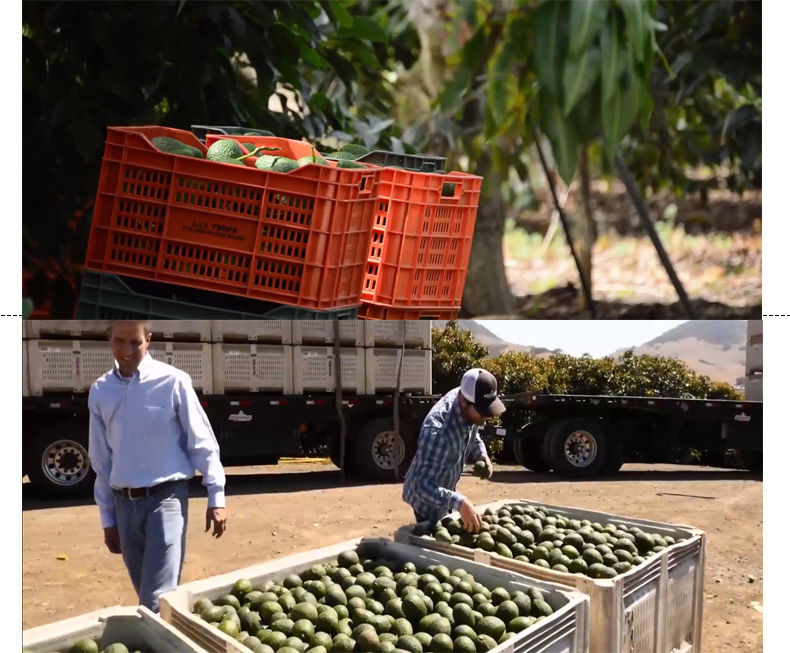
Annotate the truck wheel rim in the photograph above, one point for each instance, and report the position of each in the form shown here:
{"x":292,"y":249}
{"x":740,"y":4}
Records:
{"x":387,"y":450}
{"x":65,"y":463}
{"x":581,"y":448}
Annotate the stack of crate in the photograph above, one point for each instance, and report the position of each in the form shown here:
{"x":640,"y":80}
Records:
{"x":240,"y":356}
{"x":298,"y":357}
{"x":394,"y":344}
{"x":63,"y":356}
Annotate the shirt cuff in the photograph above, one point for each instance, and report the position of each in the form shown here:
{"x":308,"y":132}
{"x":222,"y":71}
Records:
{"x":216,"y":497}
{"x":456,"y":499}
{"x":107,"y":518}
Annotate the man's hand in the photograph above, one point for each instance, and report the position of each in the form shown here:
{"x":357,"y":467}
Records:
{"x":112,"y":539}
{"x":217,"y":516}
{"x":470,"y":517}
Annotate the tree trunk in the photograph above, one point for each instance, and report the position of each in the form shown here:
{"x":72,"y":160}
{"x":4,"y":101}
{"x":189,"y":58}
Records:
{"x":487,"y":291}
{"x":587,"y":227}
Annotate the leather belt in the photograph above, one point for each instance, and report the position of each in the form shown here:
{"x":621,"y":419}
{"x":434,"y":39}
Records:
{"x":140,"y":492}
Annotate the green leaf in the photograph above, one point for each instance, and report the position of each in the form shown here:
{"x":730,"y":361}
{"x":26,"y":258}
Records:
{"x":618,"y":114}
{"x":587,"y":18}
{"x":562,"y":135}
{"x":578,"y":77}
{"x":311,"y":56}
{"x":502,"y":83}
{"x":612,"y":58}
{"x":636,"y":27}
{"x":362,"y":53}
{"x":550,"y":45}
{"x":366,"y":28}
{"x":339,"y":11}
{"x":586,"y":116}
{"x":453,"y":91}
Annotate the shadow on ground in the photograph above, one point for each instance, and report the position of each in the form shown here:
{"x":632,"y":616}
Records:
{"x":240,"y":484}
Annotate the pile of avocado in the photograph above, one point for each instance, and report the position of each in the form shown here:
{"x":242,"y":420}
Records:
{"x":226,"y":150}
{"x":92,"y":646}
{"x":382,"y":605}
{"x":539,"y":536}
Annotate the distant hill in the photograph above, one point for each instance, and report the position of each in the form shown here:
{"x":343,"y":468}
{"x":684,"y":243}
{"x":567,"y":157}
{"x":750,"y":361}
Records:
{"x":493,"y":343}
{"x":716,"y":348}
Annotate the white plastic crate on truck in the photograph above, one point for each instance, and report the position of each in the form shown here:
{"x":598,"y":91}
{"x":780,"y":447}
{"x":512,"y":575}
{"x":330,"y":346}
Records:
{"x":381,"y":370}
{"x":417,"y":333}
{"x":655,"y":607}
{"x":263,"y":331}
{"x":194,"y":358}
{"x":73,"y":365}
{"x":322,"y":332}
{"x":137,"y":627}
{"x":565,"y":631}
{"x":245,"y":367}
{"x":314,"y":369}
{"x":66,"y":365}
{"x":191,"y":330}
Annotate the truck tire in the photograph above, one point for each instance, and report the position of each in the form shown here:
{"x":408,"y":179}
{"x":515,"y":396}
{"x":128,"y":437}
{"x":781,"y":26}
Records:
{"x":576,"y":447}
{"x":57,"y":463}
{"x":376,"y":449}
{"x":527,"y":447}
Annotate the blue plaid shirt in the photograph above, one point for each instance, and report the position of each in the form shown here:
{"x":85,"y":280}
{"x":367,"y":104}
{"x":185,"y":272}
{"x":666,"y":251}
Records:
{"x":444,"y":445}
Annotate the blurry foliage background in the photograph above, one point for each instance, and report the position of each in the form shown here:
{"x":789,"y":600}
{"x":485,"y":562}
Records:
{"x":448,"y":77}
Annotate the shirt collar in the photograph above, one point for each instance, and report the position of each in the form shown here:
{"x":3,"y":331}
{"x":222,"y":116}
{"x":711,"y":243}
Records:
{"x":141,"y":371}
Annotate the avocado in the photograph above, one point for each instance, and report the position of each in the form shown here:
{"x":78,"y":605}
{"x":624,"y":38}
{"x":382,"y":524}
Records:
{"x":117,"y":647}
{"x":344,"y":163}
{"x":494,"y":627}
{"x":409,"y":643}
{"x":480,"y":469}
{"x":343,"y":643}
{"x":174,"y":146}
{"x":464,"y":644}
{"x":84,"y":646}
{"x":355,"y":149}
{"x":541,"y":609}
{"x":224,"y":149}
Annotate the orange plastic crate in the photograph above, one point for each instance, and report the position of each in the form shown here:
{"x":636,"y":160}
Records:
{"x":421,"y":241}
{"x":299,"y":238}
{"x":368,"y":311}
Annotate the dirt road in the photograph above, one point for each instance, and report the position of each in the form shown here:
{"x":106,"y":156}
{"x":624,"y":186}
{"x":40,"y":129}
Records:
{"x":276,"y":511}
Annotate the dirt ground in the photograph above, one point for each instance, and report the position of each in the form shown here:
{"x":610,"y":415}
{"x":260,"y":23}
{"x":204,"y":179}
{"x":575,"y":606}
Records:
{"x":276,"y":511}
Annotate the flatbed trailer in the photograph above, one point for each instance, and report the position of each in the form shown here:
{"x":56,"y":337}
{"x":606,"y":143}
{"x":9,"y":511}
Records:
{"x":590,"y":435}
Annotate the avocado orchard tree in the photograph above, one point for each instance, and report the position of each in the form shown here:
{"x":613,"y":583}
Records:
{"x":580,"y":68}
{"x":456,"y":350}
{"x":87,"y":66}
{"x":708,"y":103}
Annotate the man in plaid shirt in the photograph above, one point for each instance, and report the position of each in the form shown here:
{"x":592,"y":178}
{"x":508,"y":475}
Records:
{"x":448,"y":437}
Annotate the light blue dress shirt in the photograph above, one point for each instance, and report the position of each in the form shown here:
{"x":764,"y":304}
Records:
{"x":148,"y":429}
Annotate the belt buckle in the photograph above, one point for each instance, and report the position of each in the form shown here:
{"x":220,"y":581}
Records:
{"x":129,"y":494}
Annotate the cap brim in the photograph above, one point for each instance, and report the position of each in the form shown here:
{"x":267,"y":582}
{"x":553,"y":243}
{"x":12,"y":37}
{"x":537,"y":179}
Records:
{"x":495,"y":408}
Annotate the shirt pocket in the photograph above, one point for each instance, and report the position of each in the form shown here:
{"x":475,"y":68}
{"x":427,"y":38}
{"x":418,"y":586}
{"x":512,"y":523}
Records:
{"x":157,"y":416}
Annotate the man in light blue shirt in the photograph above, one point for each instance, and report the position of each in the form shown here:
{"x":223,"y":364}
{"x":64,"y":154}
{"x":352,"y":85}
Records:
{"x":148,"y":435}
{"x":448,"y":437}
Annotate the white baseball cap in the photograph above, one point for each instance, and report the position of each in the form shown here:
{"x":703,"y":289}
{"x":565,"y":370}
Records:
{"x":479,"y":387}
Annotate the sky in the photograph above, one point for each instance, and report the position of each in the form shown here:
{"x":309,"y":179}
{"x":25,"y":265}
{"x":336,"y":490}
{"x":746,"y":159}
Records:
{"x":576,"y":337}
